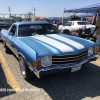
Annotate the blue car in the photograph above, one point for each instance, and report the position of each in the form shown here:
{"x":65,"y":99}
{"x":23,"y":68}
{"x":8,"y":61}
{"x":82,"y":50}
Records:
{"x":42,"y":50}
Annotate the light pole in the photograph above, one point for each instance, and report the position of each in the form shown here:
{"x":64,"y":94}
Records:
{"x":9,"y":11}
{"x":33,"y":9}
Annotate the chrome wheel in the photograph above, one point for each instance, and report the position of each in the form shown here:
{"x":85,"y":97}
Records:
{"x":22,"y":67}
{"x":25,"y":71}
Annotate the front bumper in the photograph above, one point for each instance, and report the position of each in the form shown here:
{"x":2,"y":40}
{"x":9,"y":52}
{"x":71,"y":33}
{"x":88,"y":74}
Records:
{"x":62,"y":68}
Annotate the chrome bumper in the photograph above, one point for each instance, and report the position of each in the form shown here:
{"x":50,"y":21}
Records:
{"x":38,"y":72}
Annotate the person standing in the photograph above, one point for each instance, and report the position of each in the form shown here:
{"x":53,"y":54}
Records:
{"x":94,"y":19}
{"x":96,"y":32}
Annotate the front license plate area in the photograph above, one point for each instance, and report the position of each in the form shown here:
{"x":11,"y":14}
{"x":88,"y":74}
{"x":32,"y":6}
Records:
{"x":74,"y":69}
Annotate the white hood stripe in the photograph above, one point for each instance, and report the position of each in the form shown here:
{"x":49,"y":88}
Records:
{"x":68,"y":41}
{"x":61,"y":46}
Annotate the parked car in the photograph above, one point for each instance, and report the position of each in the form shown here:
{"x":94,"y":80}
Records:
{"x":42,"y":50}
{"x":76,"y":25}
{"x":5,"y":24}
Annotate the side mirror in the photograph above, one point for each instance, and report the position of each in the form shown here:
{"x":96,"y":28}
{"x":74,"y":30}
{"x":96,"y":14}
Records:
{"x":11,"y":33}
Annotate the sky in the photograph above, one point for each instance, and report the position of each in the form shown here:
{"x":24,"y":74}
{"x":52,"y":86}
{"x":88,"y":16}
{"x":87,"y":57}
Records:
{"x":46,"y":8}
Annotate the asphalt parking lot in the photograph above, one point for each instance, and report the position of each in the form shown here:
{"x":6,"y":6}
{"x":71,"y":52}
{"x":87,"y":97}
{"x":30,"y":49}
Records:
{"x":81,"y":85}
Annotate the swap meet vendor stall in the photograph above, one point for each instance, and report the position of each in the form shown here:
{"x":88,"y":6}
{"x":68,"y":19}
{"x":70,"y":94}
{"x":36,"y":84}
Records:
{"x":85,"y":6}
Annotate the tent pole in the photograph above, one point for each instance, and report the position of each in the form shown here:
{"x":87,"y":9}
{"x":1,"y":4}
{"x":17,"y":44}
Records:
{"x":62,"y":19}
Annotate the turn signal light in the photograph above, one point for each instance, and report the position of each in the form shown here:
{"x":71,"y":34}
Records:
{"x":97,"y":50}
{"x":37,"y":63}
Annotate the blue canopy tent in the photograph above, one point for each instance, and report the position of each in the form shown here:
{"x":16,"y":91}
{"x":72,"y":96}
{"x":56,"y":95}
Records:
{"x":53,"y":18}
{"x":87,"y":6}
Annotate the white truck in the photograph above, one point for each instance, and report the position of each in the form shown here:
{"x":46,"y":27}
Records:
{"x":76,"y":25}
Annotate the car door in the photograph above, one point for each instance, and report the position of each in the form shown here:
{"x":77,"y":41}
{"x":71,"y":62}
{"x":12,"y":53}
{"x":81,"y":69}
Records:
{"x":67,"y":26}
{"x":74,"y":26}
{"x":12,"y":40}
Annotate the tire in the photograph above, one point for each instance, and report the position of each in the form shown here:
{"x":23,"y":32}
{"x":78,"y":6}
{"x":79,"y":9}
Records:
{"x":66,"y":31}
{"x":7,"y":50}
{"x":25,"y":71}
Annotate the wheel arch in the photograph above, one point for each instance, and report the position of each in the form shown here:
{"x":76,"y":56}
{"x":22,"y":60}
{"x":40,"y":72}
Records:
{"x":21,"y":55}
{"x":28,"y":64}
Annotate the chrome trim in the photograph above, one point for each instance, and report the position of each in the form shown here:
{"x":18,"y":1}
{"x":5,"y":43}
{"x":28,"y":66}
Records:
{"x":37,"y":71}
{"x":70,"y":57}
{"x":69,"y":54}
{"x":14,"y":50}
{"x":30,"y":66}
{"x":69,"y":60}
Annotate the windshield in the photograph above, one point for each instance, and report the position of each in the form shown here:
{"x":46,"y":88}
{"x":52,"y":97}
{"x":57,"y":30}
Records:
{"x":83,"y":23}
{"x":36,"y":29}
{"x":68,"y":24}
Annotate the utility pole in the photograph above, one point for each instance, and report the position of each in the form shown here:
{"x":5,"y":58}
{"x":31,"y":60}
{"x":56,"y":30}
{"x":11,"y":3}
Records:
{"x":34,"y":12}
{"x":9,"y":11}
{"x":33,"y":9}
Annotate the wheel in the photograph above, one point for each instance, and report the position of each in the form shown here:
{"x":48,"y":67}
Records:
{"x":66,"y":31}
{"x":25,"y":71}
{"x":7,"y":50}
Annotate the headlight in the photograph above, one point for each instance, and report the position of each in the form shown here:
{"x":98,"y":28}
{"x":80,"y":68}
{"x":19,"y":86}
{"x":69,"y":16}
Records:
{"x":90,"y":51}
{"x":46,"y":61}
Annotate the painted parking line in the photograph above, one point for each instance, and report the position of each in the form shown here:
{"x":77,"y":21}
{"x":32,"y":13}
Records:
{"x":97,"y":62}
{"x":14,"y":84}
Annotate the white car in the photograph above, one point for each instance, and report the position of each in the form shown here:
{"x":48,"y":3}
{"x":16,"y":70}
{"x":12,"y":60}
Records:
{"x":75,"y":25}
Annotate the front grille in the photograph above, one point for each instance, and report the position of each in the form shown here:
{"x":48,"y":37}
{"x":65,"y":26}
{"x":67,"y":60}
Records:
{"x":69,"y":58}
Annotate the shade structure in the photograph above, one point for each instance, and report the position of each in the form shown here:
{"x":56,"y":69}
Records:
{"x":87,"y":15}
{"x":85,"y":6}
{"x":54,"y":18}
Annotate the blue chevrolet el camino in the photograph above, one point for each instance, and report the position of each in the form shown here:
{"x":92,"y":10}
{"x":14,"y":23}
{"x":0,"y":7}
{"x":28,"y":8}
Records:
{"x":42,"y":50}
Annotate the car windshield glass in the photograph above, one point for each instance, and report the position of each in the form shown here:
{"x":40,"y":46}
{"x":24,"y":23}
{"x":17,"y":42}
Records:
{"x":83,"y":23}
{"x":68,"y":24}
{"x":36,"y":29}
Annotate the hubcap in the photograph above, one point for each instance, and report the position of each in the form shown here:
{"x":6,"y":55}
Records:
{"x":22,"y":67}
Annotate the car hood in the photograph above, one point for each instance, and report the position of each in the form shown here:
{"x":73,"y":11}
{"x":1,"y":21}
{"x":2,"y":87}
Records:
{"x":51,"y":44}
{"x":90,"y":26}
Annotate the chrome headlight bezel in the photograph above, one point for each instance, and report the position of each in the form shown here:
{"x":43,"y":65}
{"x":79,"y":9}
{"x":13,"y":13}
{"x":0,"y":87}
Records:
{"x":91,"y":51}
{"x":46,"y":61}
